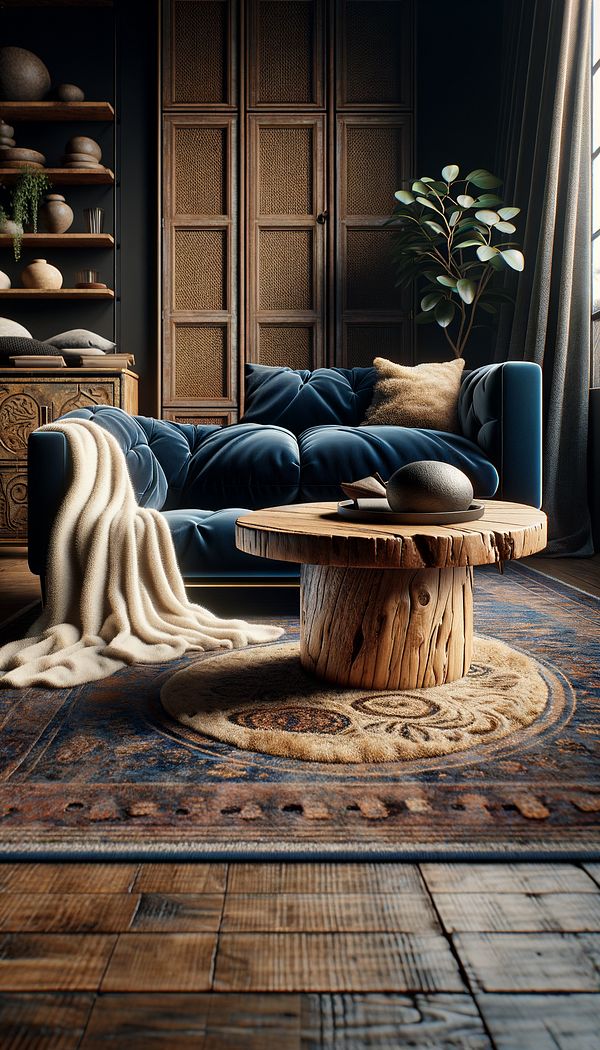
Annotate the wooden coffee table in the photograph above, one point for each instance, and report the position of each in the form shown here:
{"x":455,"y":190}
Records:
{"x":388,"y":606}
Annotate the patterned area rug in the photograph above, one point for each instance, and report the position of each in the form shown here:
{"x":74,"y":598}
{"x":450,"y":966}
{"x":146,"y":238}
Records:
{"x":261,"y":699}
{"x":101,"y":771}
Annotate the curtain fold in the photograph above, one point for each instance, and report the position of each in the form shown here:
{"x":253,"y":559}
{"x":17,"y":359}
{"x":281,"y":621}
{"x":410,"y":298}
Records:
{"x":545,"y":143}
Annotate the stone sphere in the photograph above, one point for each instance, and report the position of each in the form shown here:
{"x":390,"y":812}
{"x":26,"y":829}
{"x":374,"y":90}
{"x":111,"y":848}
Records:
{"x":23,"y":76}
{"x":429,"y":487}
{"x":69,"y":93}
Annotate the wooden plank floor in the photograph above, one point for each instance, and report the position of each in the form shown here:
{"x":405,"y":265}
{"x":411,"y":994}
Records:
{"x":299,"y":956}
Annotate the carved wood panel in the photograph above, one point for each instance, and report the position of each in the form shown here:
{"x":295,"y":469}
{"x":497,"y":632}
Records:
{"x":27,"y":401}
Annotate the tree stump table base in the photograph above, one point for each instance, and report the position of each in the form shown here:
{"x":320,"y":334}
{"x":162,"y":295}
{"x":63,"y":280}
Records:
{"x":387,"y":606}
{"x":386,"y":628}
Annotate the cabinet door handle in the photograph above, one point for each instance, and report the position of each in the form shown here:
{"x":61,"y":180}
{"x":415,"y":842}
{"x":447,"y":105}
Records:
{"x":322,"y":217}
{"x":45,"y":414}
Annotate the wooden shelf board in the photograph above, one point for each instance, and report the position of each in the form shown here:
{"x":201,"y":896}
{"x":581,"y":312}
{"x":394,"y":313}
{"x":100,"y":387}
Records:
{"x":66,"y":176}
{"x":10,"y":111}
{"x":61,"y":240}
{"x":58,"y":293}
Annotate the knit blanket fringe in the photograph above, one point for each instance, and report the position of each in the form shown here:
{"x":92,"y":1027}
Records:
{"x":115,"y":595}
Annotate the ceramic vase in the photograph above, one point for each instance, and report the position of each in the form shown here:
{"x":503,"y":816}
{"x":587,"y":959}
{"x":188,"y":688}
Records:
{"x":40,"y":274}
{"x":23,"y":76}
{"x":4,"y":280}
{"x":55,"y":214}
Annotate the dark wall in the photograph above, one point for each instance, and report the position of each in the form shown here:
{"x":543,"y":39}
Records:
{"x":79,"y":45}
{"x":459,"y":71}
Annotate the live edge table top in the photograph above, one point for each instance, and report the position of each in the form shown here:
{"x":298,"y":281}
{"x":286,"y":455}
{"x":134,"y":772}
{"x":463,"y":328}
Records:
{"x":313,"y":533}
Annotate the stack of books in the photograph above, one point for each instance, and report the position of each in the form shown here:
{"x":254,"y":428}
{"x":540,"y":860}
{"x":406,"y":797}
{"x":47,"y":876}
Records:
{"x":112,"y":361}
{"x":38,"y":361}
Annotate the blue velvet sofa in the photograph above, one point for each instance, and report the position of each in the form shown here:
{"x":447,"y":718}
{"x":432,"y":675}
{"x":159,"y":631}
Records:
{"x":300,"y":437}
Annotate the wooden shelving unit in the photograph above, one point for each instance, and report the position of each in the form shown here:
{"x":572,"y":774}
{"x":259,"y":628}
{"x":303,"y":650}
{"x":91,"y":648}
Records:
{"x":66,"y":176}
{"x":61,"y":240}
{"x":41,"y":111}
{"x":58,"y":293}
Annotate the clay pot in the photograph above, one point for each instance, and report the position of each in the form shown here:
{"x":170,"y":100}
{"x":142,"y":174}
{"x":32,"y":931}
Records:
{"x":83,"y":144}
{"x":40,"y":274}
{"x":4,"y":280}
{"x":55,"y":214}
{"x":69,"y":93}
{"x":23,"y":76}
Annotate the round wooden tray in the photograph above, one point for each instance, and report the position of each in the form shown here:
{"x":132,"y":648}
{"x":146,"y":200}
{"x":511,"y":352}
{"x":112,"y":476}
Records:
{"x":379,"y":510}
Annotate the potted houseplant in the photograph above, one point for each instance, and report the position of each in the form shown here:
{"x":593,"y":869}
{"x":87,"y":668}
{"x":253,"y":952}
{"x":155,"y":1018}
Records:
{"x":453,"y":237}
{"x":25,"y":200}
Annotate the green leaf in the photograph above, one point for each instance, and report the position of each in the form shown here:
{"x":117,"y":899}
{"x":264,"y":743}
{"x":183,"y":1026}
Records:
{"x":434,"y":226}
{"x":468,"y":244}
{"x":419,"y":187}
{"x":505,"y":227}
{"x":514,"y":258}
{"x":428,"y":204}
{"x":425,"y":318}
{"x":427,"y":178}
{"x":430,"y":300}
{"x":405,"y":196}
{"x":485,"y":252}
{"x":444,"y":313}
{"x":466,"y":289}
{"x":452,"y":221}
{"x":448,"y":282}
{"x":484,"y":180}
{"x":508,"y":213}
{"x":488,"y":200}
{"x":450,"y":172}
{"x":489,"y":309}
{"x":465,"y":200}
{"x":490,"y":218}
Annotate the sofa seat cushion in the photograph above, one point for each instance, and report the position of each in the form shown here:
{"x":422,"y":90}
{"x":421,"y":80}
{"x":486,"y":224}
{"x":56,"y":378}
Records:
{"x":205,"y":546}
{"x":330,"y":455}
{"x":297,"y":399}
{"x":256,"y":466}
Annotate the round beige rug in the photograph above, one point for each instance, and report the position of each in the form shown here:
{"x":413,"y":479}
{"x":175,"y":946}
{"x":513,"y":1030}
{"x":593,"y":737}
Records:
{"x":261,"y":699}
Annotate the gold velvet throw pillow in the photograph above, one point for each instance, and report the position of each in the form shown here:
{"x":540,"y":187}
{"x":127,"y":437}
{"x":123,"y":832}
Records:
{"x":423,"y":396}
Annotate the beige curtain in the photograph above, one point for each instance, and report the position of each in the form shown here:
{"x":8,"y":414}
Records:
{"x":545,"y":156}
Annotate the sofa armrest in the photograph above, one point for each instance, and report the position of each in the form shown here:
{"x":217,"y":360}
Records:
{"x":49,"y":470}
{"x":500,"y":409}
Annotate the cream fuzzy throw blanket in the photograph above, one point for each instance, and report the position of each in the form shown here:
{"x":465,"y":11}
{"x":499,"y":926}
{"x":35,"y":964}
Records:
{"x":115,"y":593}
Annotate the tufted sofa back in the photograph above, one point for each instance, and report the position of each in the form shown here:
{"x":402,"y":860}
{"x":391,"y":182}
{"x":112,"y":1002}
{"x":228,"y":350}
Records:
{"x":175,"y":465}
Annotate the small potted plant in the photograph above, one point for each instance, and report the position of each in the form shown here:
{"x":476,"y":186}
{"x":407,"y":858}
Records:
{"x":25,"y":200}
{"x":453,"y":236}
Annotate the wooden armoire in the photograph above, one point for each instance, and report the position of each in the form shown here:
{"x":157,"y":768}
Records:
{"x":286,"y":127}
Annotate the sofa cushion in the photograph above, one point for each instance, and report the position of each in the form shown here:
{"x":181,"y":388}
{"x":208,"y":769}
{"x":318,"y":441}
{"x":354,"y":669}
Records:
{"x":423,"y":395}
{"x":330,"y":455}
{"x":298,"y":399}
{"x":205,"y":546}
{"x":249,"y":464}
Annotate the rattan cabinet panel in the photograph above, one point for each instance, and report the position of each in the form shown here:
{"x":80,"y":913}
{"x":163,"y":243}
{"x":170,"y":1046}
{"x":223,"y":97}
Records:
{"x":287,"y":128}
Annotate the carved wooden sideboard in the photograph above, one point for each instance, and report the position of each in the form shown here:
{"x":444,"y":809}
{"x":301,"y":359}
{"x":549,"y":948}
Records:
{"x":28,"y":399}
